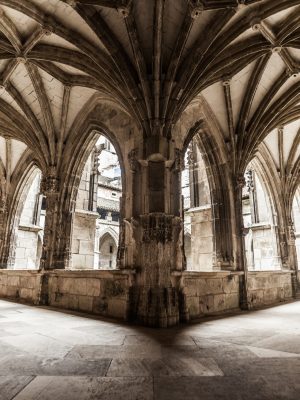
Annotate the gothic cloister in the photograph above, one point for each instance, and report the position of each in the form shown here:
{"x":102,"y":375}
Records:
{"x":150,"y":157}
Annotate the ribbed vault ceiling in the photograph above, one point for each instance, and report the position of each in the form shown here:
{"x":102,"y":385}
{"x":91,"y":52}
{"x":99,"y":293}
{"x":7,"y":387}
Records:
{"x":153,"y":57}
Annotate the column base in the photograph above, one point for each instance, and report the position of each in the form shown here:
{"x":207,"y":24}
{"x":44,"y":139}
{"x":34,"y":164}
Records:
{"x":244,"y":303}
{"x":155,"y":306}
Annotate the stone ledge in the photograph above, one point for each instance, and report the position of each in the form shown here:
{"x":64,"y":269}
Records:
{"x":30,"y":228}
{"x":208,"y":274}
{"x":267,"y":273}
{"x":259,"y":225}
{"x":100,"y":274}
{"x":85,"y":213}
{"x":20,"y":271}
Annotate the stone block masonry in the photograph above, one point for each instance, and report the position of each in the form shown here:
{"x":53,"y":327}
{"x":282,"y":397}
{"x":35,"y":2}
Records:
{"x":107,"y":293}
{"x":98,"y":292}
{"x":23,"y":285}
{"x":265,"y":288}
{"x":209,"y":293}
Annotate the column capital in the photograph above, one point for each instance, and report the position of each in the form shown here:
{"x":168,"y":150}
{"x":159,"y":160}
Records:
{"x":50,"y":182}
{"x":132,"y":159}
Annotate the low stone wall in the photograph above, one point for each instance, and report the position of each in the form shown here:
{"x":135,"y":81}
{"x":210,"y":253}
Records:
{"x":266,"y":288}
{"x":107,"y":293}
{"x":21,"y":285}
{"x":208,"y":293}
{"x":98,"y":292}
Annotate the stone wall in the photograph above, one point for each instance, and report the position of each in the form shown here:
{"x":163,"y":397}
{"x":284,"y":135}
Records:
{"x":208,"y":293}
{"x":29,"y":236}
{"x":83,"y":195}
{"x":29,"y":247}
{"x":83,"y":239}
{"x":98,"y":292}
{"x":201,"y":238}
{"x":20,"y":285}
{"x":107,"y":293}
{"x":266,"y":288}
{"x":261,"y":248}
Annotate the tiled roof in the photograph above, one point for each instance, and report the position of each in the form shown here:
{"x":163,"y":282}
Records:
{"x":107,"y":204}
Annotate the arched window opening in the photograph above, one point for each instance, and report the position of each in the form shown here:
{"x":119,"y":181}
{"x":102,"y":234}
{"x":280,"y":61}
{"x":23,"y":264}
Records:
{"x":108,"y":247}
{"x":197,"y":210}
{"x":98,"y":210}
{"x":30,"y":229}
{"x":261,"y":244}
{"x":296,"y":221}
{"x":21,"y":213}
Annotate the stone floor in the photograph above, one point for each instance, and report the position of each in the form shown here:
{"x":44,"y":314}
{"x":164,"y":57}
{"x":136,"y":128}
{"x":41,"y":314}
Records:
{"x":47,"y":354}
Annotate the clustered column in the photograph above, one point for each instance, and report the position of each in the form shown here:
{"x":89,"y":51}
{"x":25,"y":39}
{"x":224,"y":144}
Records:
{"x":156,"y":227}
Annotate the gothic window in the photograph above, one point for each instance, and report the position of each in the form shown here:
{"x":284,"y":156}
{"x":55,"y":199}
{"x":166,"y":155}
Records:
{"x":97,"y":209}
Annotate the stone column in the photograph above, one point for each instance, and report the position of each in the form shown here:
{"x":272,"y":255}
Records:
{"x":241,"y":232}
{"x":156,"y":226}
{"x":292,"y":252}
{"x":50,"y":188}
{"x":56,"y":253}
{"x":94,"y":174}
{"x":222,"y":228}
{"x":4,"y":242}
{"x":4,"y":237}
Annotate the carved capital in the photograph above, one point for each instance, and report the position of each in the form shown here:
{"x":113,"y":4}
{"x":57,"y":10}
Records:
{"x":240,"y":181}
{"x":132,"y":159}
{"x":179,"y":160}
{"x":50,"y":182}
{"x":159,"y":227}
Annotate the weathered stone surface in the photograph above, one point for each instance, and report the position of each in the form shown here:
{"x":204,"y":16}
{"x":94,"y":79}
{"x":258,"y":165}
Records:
{"x":225,"y":357}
